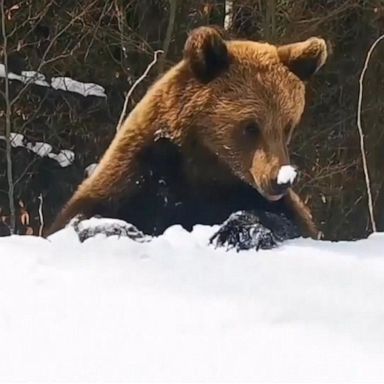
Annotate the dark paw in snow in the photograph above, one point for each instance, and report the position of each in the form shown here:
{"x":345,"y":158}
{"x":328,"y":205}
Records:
{"x":87,"y":229}
{"x":242,"y":231}
{"x":246,"y":230}
{"x":282,"y":227}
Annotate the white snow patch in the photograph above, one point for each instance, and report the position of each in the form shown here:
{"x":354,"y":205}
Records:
{"x":85,"y":89}
{"x":25,"y":77}
{"x":90,"y":169}
{"x":40,"y":148}
{"x":61,"y":83}
{"x":177,"y":310}
{"x":32,"y":77}
{"x":287,"y":174}
{"x":17,"y":139}
{"x":65,"y":157}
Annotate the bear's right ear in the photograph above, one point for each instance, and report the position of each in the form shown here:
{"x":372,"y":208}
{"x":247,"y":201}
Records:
{"x":206,"y":53}
{"x":304,"y":58}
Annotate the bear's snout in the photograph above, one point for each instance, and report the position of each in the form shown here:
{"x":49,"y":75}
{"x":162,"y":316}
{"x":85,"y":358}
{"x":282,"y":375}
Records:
{"x":275,"y":187}
{"x":272,"y":174}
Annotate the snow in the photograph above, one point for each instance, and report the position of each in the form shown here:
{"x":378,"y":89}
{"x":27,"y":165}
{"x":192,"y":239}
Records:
{"x":40,"y":148}
{"x":65,"y":157}
{"x":25,"y":77}
{"x":32,"y":77}
{"x":85,"y":89}
{"x":287,"y":174}
{"x":90,"y":169}
{"x":17,"y":139}
{"x":175,"y":309}
{"x":59,"y":83}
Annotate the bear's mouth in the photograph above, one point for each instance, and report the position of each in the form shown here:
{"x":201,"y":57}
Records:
{"x":272,"y":197}
{"x":276,"y":190}
{"x":269,"y":197}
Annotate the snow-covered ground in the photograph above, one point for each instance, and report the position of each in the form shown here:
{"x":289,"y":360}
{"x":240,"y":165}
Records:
{"x":176,"y":310}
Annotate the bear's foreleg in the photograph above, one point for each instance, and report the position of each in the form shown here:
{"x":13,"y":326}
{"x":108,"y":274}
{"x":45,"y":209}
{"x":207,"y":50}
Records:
{"x":302,"y":215}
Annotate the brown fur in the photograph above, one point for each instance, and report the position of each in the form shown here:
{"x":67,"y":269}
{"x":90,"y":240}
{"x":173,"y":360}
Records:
{"x":229,"y":107}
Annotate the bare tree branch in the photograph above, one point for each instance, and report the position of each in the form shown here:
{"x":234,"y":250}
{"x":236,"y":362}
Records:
{"x":43,"y":61}
{"x":41,"y":215}
{"x":135,"y":84}
{"x":8,"y":127}
{"x":361,"y":133}
{"x":102,"y":14}
{"x":169,"y":32}
{"x":270,"y":20}
{"x":32,"y":20}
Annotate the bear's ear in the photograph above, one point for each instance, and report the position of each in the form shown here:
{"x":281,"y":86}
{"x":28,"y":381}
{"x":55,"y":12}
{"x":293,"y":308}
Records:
{"x":304,"y":58}
{"x":206,"y":53}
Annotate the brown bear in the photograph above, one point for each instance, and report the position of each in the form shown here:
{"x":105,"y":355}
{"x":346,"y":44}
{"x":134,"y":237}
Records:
{"x":209,"y":141}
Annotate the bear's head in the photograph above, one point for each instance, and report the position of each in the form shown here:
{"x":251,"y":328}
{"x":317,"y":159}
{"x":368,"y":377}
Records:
{"x":246,"y":99}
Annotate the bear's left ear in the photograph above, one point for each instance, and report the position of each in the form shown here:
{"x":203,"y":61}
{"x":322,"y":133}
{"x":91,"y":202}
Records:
{"x":304,"y":58}
{"x":206,"y":52}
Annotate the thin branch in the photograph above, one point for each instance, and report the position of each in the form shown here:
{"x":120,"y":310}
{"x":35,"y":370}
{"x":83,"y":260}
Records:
{"x":120,"y":16}
{"x":124,"y":43}
{"x":361,"y":133}
{"x":32,"y":20}
{"x":135,"y":84}
{"x":104,"y":11}
{"x":43,"y":60}
{"x":8,"y":127}
{"x":41,"y":216}
{"x":270,"y":21}
{"x":169,"y":32}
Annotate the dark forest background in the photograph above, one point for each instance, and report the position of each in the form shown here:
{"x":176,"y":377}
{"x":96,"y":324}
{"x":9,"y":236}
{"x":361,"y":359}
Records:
{"x":111,"y":43}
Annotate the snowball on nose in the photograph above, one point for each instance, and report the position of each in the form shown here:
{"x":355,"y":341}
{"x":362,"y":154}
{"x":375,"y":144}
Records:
{"x":286,"y":175}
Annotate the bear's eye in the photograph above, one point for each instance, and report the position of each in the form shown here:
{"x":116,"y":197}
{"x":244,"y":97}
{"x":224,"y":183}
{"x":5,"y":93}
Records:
{"x":251,"y":130}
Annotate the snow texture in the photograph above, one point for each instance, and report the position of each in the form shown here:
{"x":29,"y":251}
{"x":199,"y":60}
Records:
{"x":17,"y":140}
{"x":25,"y":77}
{"x":85,"y":89}
{"x":87,"y":229}
{"x":65,"y":157}
{"x":58,"y":83}
{"x":40,"y":148}
{"x":90,"y":169}
{"x":175,"y":310}
{"x":287,"y":174}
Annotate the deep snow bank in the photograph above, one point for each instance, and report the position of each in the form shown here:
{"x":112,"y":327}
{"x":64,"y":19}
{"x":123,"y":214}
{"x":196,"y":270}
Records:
{"x":177,"y":310}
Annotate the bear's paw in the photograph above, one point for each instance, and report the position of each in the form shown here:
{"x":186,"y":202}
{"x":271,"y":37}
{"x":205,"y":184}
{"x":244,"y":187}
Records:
{"x":86,"y":229}
{"x":244,"y":231}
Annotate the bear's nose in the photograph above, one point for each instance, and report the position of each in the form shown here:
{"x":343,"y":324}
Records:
{"x":285,"y":178}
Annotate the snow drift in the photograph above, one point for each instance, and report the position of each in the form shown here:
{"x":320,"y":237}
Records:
{"x":175,"y":309}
